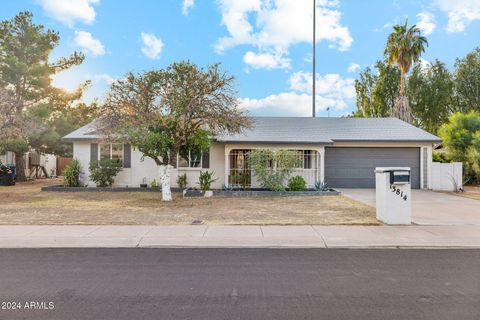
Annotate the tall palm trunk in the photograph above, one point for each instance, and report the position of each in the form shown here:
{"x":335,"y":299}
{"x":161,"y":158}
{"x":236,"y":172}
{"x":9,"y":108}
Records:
{"x":403,"y":80}
{"x":402,"y":108}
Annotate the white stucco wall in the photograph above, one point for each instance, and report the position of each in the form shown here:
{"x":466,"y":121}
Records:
{"x":147,"y":168}
{"x":81,"y":152}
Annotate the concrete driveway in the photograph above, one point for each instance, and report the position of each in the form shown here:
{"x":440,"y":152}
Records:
{"x":429,"y":207}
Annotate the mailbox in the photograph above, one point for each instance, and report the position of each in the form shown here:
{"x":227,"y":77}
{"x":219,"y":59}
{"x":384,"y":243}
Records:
{"x":398,"y":177}
{"x":393,"y":195}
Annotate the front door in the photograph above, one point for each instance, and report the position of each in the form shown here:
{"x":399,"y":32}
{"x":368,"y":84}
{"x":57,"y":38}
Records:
{"x":240,"y":173}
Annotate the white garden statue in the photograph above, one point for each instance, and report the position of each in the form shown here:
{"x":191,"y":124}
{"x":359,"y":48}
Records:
{"x":165,"y":171}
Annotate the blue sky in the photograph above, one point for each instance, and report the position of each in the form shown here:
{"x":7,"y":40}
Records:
{"x":265,"y":44}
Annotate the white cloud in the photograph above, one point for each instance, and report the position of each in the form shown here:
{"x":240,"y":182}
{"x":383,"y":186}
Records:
{"x":272,"y":26}
{"x":187,"y":5}
{"x":460,"y":13}
{"x":426,"y":23}
{"x":290,"y":103}
{"x":69,"y":12}
{"x":265,"y":60}
{"x":353,"y":67}
{"x":152,"y":46}
{"x":103,"y":77}
{"x":88,"y":43}
{"x":332,"y":91}
{"x":330,"y":85}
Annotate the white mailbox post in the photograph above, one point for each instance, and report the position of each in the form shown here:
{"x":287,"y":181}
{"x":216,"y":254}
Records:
{"x":393,"y":195}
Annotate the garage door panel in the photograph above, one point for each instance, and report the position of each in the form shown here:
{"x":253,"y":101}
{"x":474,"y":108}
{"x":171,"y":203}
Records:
{"x":354,"y":167}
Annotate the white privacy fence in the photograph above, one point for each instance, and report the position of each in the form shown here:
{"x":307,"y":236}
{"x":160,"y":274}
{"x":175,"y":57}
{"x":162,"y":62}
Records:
{"x":446,"y":176}
{"x":7,"y":158}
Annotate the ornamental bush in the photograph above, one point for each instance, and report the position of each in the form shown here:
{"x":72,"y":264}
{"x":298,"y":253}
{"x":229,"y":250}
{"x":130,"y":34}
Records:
{"x":206,"y":179}
{"x":273,"y":167}
{"x":71,"y":174}
{"x":182,"y":181}
{"x":297,"y":183}
{"x":461,"y":138}
{"x":103,"y":172}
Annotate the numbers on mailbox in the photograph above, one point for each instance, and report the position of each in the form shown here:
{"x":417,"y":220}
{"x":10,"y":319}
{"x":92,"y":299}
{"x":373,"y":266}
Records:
{"x":398,"y":192}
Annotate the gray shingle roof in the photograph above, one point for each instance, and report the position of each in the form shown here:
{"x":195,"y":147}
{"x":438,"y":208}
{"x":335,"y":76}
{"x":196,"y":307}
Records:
{"x":310,"y":130}
{"x":328,"y":130}
{"x":87,"y":132}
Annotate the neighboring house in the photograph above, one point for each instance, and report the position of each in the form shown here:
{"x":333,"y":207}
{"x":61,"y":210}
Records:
{"x":34,"y":162}
{"x":340,"y":151}
{"x":7,"y":158}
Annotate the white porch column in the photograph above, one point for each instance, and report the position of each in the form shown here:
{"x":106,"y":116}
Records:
{"x":227,"y":164}
{"x":322,"y":164}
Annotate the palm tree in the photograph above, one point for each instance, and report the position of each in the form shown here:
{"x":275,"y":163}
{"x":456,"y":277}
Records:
{"x":404,"y":47}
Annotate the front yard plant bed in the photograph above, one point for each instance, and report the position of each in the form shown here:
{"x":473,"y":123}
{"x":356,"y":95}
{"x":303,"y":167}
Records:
{"x":194,"y":193}
{"x":268,"y":193}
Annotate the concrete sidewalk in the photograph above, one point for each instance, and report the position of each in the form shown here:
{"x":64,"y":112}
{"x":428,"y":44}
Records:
{"x":239,"y":236}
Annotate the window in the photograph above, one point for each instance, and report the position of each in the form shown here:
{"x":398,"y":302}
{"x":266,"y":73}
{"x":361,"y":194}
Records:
{"x":112,"y":151}
{"x":190,"y":158}
{"x":306,"y":159}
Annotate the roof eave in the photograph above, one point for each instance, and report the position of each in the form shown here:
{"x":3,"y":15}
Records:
{"x":390,"y":140}
{"x":274,"y":142}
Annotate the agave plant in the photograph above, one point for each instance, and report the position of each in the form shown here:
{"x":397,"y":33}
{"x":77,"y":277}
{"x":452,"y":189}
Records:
{"x":321,"y":186}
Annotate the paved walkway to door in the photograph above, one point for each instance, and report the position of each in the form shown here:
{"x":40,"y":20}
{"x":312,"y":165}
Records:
{"x":429,"y":207}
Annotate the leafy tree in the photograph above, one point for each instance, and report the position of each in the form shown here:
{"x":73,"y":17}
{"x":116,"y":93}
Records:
{"x":364,"y":87}
{"x":26,"y":72}
{"x":461,"y":137}
{"x":161,"y":112}
{"x":9,"y":127}
{"x":430,"y":93}
{"x":467,"y":82}
{"x":57,"y":122}
{"x":273,"y":167}
{"x":404,"y":47}
{"x":376,"y":92}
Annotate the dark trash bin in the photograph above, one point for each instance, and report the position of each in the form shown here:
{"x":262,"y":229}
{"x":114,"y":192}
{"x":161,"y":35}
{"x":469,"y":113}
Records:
{"x":14,"y":170}
{"x":7,"y":177}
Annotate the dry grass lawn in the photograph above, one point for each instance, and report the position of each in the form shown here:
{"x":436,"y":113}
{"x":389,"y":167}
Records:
{"x":472,"y":192}
{"x":26,"y":204}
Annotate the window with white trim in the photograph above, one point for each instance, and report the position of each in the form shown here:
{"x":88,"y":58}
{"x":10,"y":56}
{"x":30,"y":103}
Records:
{"x":190,"y":158}
{"x":112,"y":151}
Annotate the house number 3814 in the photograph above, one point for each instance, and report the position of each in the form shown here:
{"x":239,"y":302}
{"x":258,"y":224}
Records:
{"x":398,"y":192}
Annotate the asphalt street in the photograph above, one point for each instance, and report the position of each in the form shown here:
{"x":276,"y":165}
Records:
{"x":255,"y":284}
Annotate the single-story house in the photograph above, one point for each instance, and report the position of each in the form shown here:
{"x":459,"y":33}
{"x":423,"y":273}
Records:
{"x":343,"y":152}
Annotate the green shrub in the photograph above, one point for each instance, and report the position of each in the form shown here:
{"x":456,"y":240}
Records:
{"x":461,"y":138}
{"x":72,"y":173}
{"x":154,"y":183}
{"x":273,"y":167}
{"x":182,"y":181}
{"x":297,"y":183}
{"x":439,"y":157}
{"x":102,"y":172}
{"x":206,"y":179}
